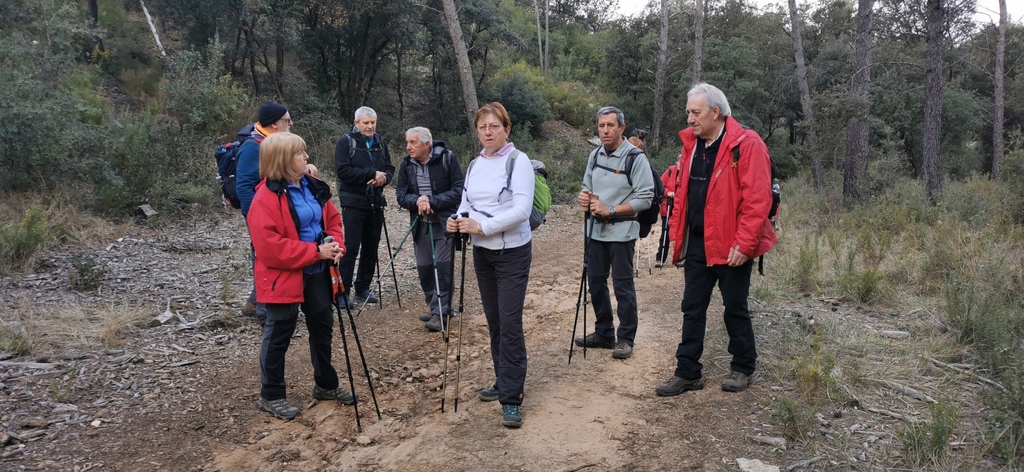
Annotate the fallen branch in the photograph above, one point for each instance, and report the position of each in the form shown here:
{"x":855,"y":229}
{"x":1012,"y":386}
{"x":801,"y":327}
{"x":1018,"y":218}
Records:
{"x":908,"y":391}
{"x":892,"y":414}
{"x":27,"y":365}
{"x":804,"y":463}
{"x":966,"y":372}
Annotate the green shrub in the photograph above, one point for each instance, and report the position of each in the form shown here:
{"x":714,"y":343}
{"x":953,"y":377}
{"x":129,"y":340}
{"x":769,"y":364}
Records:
{"x":86,"y":275}
{"x":521,"y":97}
{"x":18,"y":243}
{"x":198,"y":94}
{"x":926,"y":442}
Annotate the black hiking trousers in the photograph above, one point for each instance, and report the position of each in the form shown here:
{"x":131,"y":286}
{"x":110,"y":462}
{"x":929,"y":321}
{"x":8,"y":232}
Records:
{"x":734,"y":284}
{"x":277,"y":336}
{"x":502,"y":276}
{"x":362,"y":233}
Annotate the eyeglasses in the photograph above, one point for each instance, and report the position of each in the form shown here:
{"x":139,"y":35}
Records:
{"x":287,"y":120}
{"x":494,"y":127}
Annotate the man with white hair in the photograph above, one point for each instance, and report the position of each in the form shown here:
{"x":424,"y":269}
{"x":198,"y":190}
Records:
{"x":363,"y":165}
{"x":429,"y":185}
{"x":720,"y":224}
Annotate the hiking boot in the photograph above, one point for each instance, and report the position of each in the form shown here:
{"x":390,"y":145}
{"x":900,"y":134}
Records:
{"x":338,"y":394}
{"x":489,"y":394}
{"x":425,"y":316}
{"x":511,"y":417}
{"x":622,"y":350}
{"x":366,"y":297}
{"x":659,"y":264}
{"x":279,"y":408}
{"x":736,"y":382}
{"x":249,"y":309}
{"x":595,"y":341}
{"x":434,"y":324}
{"x":344,"y":302}
{"x":677,"y":385}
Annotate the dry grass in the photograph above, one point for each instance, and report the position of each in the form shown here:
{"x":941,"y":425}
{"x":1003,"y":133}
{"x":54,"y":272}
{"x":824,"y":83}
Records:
{"x":57,"y":329}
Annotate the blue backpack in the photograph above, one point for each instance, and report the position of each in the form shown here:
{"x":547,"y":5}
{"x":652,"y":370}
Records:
{"x":227,"y":161}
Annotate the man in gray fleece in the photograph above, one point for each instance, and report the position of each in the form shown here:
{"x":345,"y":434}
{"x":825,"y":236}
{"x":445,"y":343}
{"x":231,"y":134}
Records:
{"x":617,"y":185}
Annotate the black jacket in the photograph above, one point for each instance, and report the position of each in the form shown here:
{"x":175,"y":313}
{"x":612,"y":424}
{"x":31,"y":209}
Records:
{"x":446,"y":180}
{"x":354,"y":169}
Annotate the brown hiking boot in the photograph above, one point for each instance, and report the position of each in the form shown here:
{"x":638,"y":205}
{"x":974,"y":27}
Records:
{"x":622,"y":350}
{"x":736,"y":382}
{"x":249,"y":309}
{"x":339,"y":394}
{"x":677,"y":385}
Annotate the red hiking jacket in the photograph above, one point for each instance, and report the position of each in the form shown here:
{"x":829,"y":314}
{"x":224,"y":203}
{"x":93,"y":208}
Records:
{"x":280,"y":254}
{"x":739,"y":197}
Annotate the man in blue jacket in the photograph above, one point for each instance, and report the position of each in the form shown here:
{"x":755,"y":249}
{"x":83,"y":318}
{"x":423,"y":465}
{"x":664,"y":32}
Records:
{"x":363,"y":165}
{"x":429,"y":185}
{"x":272,"y":118}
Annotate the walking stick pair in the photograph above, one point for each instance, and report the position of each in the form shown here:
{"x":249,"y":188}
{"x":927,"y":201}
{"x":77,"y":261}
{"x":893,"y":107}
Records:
{"x":459,"y":244}
{"x":581,"y":299}
{"x":376,"y":211}
{"x":337,"y":289}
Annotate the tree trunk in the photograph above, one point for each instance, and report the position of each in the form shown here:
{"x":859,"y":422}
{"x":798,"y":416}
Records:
{"x":279,"y":45}
{"x":998,"y":143}
{"x":540,"y":41}
{"x":547,"y":32}
{"x":860,"y":84}
{"x":659,"y":79}
{"x":932,"y":129}
{"x":462,"y":56}
{"x":698,"y":40}
{"x":817,"y":172}
{"x":92,"y":14}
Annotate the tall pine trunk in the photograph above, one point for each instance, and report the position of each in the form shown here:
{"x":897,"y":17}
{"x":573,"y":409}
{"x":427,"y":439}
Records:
{"x":998,"y":143}
{"x":698,"y":40}
{"x":462,"y":57}
{"x":817,"y":172}
{"x":540,"y":40}
{"x":659,"y":79}
{"x":860,"y":90}
{"x":932,"y":128}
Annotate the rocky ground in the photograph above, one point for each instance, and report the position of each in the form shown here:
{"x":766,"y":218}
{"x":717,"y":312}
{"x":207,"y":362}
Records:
{"x":176,"y":385}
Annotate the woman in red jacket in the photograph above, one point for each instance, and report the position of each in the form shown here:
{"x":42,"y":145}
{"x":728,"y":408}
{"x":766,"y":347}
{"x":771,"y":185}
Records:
{"x":290,"y":216}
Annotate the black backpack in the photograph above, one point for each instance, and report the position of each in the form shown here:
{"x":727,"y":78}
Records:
{"x":227,"y":161}
{"x":647,"y":218}
{"x":776,"y":190}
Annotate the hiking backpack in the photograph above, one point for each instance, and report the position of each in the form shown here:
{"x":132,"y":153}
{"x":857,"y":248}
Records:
{"x":541,"y":192}
{"x":647,"y":218}
{"x":773,"y":212}
{"x":776,"y":195}
{"x":227,"y":161}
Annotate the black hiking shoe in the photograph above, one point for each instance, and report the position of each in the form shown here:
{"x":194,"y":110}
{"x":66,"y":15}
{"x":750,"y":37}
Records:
{"x":339,"y":394}
{"x":511,"y":417}
{"x":280,"y":408}
{"x":595,"y":341}
{"x":425,"y":316}
{"x":677,"y":385}
{"x":434,"y":324}
{"x":489,"y":394}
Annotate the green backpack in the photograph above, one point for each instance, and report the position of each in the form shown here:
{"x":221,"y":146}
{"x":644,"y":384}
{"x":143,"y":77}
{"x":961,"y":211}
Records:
{"x":541,"y":192}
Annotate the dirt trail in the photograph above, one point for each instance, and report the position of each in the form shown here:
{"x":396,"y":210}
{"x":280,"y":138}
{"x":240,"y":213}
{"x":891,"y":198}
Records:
{"x":593,"y":412}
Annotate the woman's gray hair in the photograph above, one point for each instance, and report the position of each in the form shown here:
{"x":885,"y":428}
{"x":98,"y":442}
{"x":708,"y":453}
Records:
{"x":714,"y":96}
{"x":365,"y":111}
{"x":424,"y":133}
{"x":608,"y":110}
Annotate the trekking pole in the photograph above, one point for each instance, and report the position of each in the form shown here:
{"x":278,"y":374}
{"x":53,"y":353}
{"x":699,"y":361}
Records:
{"x":588,"y":227}
{"x":663,"y":242}
{"x":366,"y":370}
{"x":371,"y":195}
{"x":338,"y":289}
{"x":461,"y":246}
{"x":387,"y":239}
{"x":440,"y":311}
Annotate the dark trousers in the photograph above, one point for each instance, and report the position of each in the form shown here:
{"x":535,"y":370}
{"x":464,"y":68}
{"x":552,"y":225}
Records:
{"x":615,"y":257}
{"x":425,"y":266}
{"x":734,"y":284}
{"x":362,"y":230}
{"x":502,"y":276}
{"x":664,"y":243}
{"x":277,"y":335}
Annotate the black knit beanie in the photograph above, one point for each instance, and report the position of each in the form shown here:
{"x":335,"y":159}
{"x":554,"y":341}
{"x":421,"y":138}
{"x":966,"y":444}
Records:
{"x":270,"y":113}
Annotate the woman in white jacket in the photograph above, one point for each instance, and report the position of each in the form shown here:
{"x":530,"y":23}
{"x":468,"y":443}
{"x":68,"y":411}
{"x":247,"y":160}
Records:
{"x":498,"y":198}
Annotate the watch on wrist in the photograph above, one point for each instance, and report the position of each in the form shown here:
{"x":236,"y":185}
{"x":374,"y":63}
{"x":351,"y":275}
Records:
{"x":611,"y":210}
